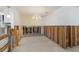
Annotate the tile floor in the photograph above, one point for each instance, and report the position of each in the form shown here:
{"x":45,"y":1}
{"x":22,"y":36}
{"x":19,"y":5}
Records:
{"x":40,"y":44}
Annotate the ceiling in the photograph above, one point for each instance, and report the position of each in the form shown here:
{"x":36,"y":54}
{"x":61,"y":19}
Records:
{"x":37,"y":10}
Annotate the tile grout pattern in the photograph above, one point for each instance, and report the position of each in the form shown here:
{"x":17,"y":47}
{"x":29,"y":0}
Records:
{"x":39,"y":44}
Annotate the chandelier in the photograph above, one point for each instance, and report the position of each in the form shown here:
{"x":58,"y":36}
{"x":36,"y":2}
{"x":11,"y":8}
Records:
{"x":8,"y":12}
{"x":37,"y":17}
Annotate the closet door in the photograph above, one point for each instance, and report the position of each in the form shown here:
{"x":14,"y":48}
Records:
{"x":62,"y":36}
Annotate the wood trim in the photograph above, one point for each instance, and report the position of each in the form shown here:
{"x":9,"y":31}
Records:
{"x":3,"y":36}
{"x":4,"y":47}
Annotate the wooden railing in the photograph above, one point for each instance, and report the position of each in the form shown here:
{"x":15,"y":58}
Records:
{"x":10,"y":40}
{"x":4,"y":43}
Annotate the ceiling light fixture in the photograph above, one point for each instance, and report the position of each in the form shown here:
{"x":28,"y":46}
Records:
{"x":8,"y":12}
{"x":36,"y":17}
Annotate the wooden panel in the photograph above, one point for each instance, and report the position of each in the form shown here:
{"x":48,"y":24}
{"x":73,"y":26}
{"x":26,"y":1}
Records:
{"x":77,"y":35}
{"x":45,"y":30}
{"x":55,"y":34}
{"x":51,"y":33}
{"x":68,"y":36}
{"x":65,"y":36}
{"x":48,"y":31}
{"x":62,"y":36}
{"x":72,"y":36}
{"x":58,"y":34}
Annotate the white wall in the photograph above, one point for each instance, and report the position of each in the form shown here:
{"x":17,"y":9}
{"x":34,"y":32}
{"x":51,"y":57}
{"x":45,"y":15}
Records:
{"x":17,"y":18}
{"x":63,"y":16}
{"x":5,"y":11}
{"x":28,"y":21}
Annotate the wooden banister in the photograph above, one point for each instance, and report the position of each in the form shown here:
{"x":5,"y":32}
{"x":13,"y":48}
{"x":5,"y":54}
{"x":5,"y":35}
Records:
{"x":4,"y":48}
{"x":3,"y":36}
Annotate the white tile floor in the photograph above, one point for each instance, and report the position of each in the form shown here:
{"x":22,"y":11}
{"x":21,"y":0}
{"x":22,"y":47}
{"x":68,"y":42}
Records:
{"x":40,"y":44}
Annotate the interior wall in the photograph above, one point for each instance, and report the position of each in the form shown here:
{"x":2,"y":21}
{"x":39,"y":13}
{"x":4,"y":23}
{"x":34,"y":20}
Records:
{"x":4,"y":11}
{"x":28,"y":21}
{"x":63,"y":16}
{"x":17,"y":18}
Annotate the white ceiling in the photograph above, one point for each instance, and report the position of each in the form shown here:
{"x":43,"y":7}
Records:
{"x":37,"y":10}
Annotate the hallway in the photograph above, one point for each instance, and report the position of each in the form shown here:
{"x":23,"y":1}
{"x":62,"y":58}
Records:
{"x":37,"y":44}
